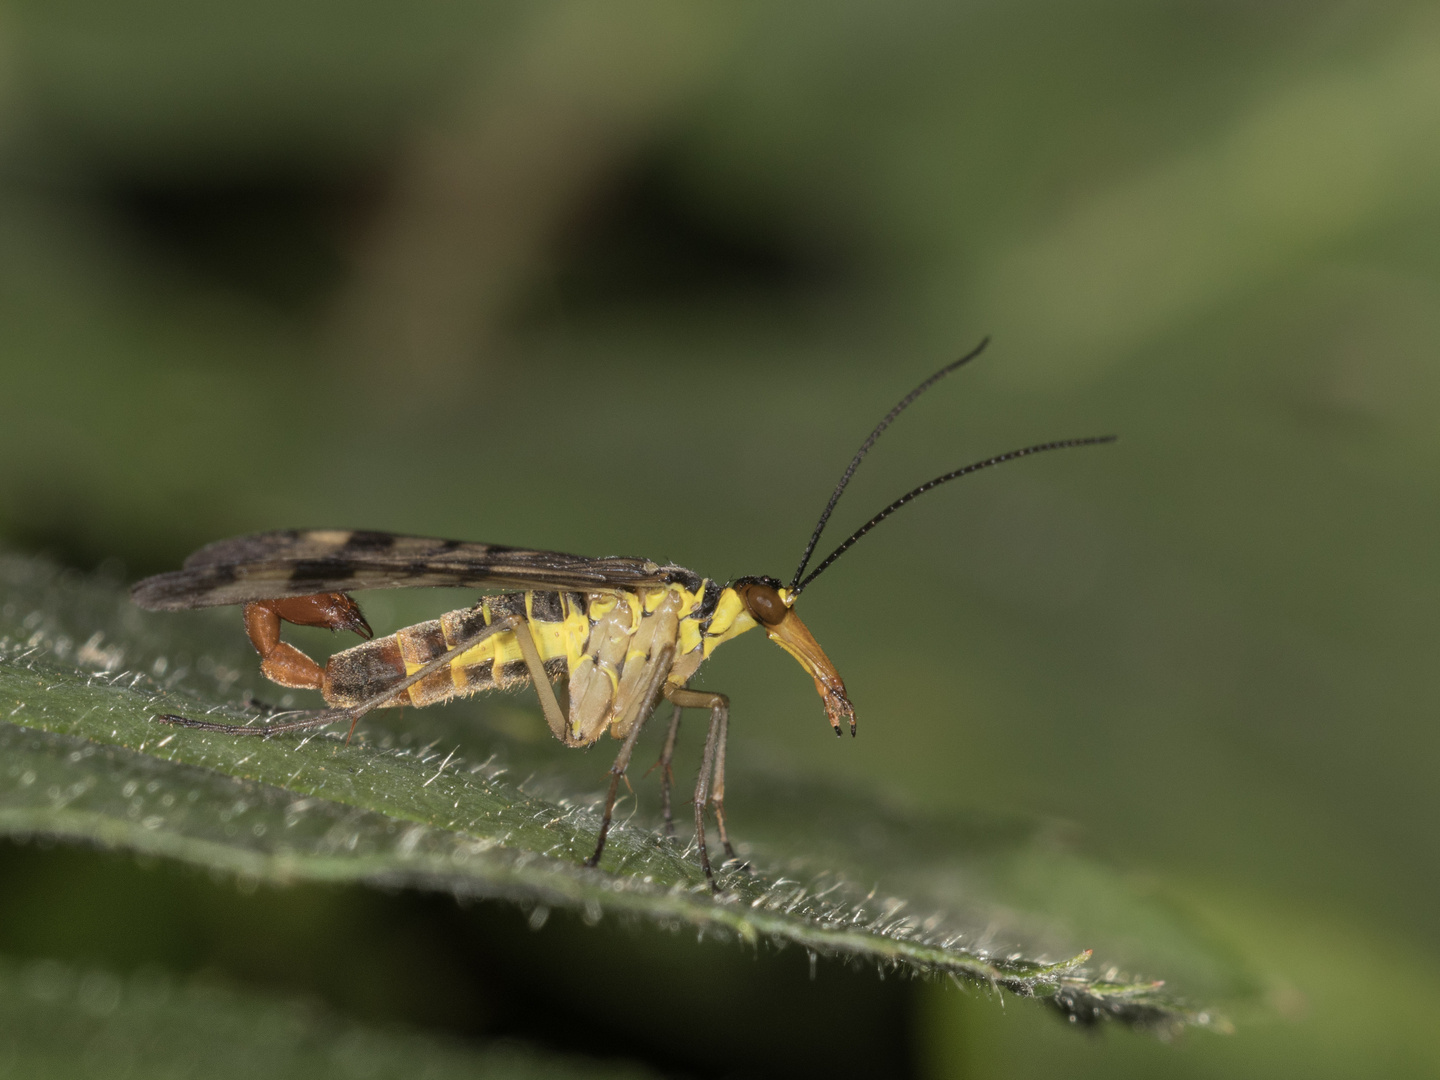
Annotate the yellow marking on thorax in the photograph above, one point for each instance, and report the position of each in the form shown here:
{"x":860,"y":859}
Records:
{"x":731,"y":619}
{"x":601,"y":604}
{"x":577,"y":631}
{"x":690,"y":637}
{"x":651,"y":599}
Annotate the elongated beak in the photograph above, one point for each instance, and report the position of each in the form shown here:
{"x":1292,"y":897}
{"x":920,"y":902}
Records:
{"x":794,"y":637}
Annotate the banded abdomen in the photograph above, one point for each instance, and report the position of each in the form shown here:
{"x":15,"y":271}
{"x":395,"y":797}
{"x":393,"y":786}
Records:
{"x":559,"y":623}
{"x":607,"y":642}
{"x":604,"y":641}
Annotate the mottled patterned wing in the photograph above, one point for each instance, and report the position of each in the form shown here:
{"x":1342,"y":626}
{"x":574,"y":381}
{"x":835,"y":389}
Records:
{"x":298,"y":562}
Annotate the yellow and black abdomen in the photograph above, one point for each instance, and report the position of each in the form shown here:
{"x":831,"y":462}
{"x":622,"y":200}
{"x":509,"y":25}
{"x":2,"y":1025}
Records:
{"x":558,"y":623}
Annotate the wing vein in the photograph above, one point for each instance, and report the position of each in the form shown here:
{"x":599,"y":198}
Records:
{"x":273,"y":565}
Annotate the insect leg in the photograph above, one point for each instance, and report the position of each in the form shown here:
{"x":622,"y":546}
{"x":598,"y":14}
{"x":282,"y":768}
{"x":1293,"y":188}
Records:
{"x":549,"y":704}
{"x":660,"y":668}
{"x":667,"y":774}
{"x":314,"y":720}
{"x":719,"y":706}
{"x":717,"y":793}
{"x":352,"y":713}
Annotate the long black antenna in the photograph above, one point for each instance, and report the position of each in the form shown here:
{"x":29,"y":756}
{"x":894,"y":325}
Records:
{"x":910,"y":496}
{"x":795,"y":585}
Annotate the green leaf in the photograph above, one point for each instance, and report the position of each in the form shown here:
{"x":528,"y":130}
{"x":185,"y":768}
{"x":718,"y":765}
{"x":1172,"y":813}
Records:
{"x":419,"y":800}
{"x":57,"y":1021}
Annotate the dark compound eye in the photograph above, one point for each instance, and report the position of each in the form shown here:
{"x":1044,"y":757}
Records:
{"x":765,"y":604}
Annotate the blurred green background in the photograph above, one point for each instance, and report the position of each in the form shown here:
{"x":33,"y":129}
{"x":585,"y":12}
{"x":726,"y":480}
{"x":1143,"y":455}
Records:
{"x":637,"y":278}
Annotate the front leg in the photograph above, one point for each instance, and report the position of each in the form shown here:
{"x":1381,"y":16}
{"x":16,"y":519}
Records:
{"x":719,"y":706}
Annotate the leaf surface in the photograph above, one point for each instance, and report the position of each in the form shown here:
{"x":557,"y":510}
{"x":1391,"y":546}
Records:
{"x":419,"y":800}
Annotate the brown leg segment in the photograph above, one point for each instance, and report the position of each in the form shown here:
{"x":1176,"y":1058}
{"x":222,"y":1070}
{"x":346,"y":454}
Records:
{"x":667,"y":774}
{"x":717,"y":793}
{"x":719,"y":706}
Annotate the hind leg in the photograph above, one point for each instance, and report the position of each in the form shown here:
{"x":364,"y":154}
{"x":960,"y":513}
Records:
{"x":667,"y":774}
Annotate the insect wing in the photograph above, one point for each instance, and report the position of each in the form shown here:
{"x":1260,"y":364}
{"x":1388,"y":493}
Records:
{"x":273,"y":565}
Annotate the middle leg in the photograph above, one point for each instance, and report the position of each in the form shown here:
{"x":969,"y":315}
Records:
{"x":667,"y":774}
{"x":717,"y":791}
{"x":719,"y":706}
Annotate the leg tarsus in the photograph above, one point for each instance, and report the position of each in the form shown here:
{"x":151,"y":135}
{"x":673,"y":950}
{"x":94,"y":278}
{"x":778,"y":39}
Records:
{"x":718,"y":805}
{"x":594,"y":859}
{"x":702,"y":797}
{"x":312,"y":720}
{"x":731,"y":856}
